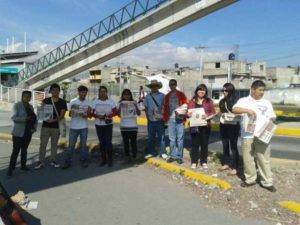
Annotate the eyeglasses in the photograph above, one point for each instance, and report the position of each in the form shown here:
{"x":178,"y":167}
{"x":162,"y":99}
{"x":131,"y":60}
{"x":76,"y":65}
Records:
{"x":224,"y":90}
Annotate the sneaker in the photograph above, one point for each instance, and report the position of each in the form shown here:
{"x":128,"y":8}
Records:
{"x":164,"y":156}
{"x":179,"y":161}
{"x":148,"y":156}
{"x":66,"y":166}
{"x":170,"y":160}
{"x":270,"y":188}
{"x":84,"y":164}
{"x":25,"y":168}
{"x":244,"y":184}
{"x":204,"y":166}
{"x":193,"y":166}
{"x":39,"y":165}
{"x":54,"y":164}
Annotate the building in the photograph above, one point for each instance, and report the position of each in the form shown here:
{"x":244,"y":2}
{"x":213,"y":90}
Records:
{"x":282,"y":77}
{"x":11,"y":64}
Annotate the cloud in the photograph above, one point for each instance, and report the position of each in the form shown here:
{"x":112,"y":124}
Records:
{"x":154,"y":54}
{"x":165,"y":55}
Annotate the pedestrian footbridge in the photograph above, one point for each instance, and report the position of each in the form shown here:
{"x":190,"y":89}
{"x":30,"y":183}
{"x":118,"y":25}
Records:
{"x":135,"y":24}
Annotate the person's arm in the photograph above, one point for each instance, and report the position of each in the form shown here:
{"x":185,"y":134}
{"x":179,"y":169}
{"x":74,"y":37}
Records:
{"x":239,"y":110}
{"x":16,"y":117}
{"x":138,"y":111}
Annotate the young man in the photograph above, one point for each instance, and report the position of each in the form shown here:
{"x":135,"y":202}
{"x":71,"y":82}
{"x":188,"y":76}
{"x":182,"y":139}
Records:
{"x":50,"y":128}
{"x":153,"y":107}
{"x":172,"y":101}
{"x":256,"y":153}
{"x":80,"y":110}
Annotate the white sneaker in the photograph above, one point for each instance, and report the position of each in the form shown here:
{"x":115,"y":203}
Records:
{"x":164,"y":156}
{"x":204,"y":166}
{"x":148,"y":156}
{"x":54,"y":164}
{"x":193,"y":166}
{"x":39,"y":165}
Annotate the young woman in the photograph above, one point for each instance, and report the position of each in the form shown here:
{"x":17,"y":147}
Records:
{"x":104,"y":109}
{"x":229,"y":129}
{"x":25,"y":123}
{"x":200,"y":134}
{"x":128,"y":111}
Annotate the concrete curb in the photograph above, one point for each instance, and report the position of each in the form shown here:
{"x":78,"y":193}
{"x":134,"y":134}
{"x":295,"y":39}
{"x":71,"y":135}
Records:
{"x":203,"y":178}
{"x":291,"y":206}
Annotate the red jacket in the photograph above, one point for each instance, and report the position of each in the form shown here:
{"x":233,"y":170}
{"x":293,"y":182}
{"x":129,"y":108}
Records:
{"x":166,"y":107}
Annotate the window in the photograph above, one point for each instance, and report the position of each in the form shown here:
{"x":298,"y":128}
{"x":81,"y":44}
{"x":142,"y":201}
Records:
{"x":218,"y":65}
{"x":261,"y":67}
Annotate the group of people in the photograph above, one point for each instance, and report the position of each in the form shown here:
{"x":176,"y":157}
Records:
{"x":162,"y":113}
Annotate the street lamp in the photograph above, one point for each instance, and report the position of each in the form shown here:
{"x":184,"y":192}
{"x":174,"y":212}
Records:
{"x":200,"y":50}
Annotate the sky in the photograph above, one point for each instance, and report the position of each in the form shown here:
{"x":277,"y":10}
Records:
{"x":264,"y":30}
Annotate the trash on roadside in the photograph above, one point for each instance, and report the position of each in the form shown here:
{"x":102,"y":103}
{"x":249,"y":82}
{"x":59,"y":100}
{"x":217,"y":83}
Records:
{"x":23,"y":201}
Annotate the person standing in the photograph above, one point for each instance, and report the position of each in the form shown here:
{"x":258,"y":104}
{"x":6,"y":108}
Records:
{"x":128,"y":111}
{"x":200,"y":134}
{"x":25,"y":124}
{"x":104,"y":109}
{"x":153,"y":107}
{"x":229,"y":129}
{"x":172,"y":101}
{"x":255,"y":152}
{"x":50,"y":127}
{"x":80,"y":110}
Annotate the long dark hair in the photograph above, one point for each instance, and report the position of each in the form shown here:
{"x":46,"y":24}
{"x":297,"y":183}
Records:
{"x":230,"y":99}
{"x":229,"y":87}
{"x":126,"y":91}
{"x":203,"y":88}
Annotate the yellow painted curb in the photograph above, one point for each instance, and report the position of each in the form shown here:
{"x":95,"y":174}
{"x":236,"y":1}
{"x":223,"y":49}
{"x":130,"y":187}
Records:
{"x":292,"y":206}
{"x":287,"y":131}
{"x":5,"y":136}
{"x":203,"y":178}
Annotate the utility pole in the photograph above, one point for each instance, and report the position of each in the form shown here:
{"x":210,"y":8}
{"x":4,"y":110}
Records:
{"x":200,"y":50}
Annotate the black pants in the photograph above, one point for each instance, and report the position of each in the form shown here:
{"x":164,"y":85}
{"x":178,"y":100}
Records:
{"x":200,"y":139}
{"x":129,"y":137}
{"x":229,"y":136}
{"x":104,"y":134}
{"x":19,"y":143}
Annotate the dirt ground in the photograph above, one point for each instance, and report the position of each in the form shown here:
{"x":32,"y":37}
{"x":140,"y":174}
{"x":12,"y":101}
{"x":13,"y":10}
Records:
{"x":254,"y":201}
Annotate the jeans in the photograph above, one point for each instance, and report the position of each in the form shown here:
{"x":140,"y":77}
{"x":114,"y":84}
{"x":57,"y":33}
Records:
{"x":200,"y":138}
{"x":229,"y":136}
{"x":129,"y":136}
{"x":73,"y":135}
{"x":19,"y":143}
{"x":104,"y":134}
{"x":156,"y":128}
{"x":176,"y":136}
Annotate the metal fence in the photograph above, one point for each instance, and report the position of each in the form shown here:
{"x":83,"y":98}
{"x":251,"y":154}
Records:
{"x":115,"y":21}
{"x":13,"y":95}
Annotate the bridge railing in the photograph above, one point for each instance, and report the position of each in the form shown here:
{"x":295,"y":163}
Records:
{"x":13,"y":95}
{"x":124,"y":16}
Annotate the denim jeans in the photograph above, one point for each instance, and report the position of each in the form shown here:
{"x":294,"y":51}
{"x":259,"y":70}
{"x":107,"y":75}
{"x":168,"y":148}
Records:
{"x":73,"y":135}
{"x":176,"y":137}
{"x":156,"y":128}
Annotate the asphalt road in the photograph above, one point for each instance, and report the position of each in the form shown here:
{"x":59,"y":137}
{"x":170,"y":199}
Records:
{"x":122,"y":195}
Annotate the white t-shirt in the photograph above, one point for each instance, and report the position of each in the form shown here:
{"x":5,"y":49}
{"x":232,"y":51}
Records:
{"x":130,"y":120}
{"x":103,"y":108}
{"x":78,"y":122}
{"x":263,"y":109}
